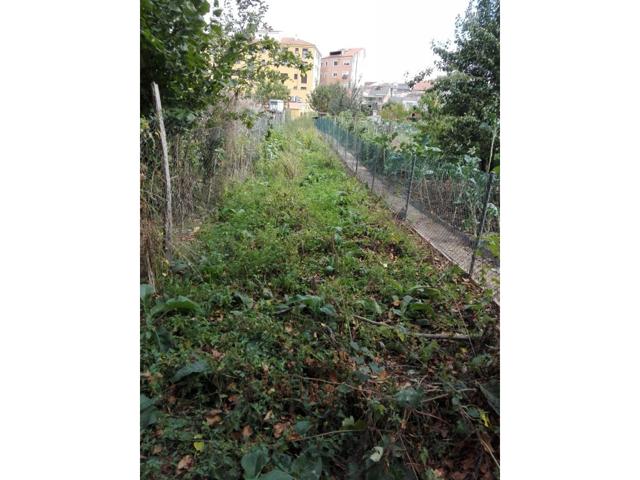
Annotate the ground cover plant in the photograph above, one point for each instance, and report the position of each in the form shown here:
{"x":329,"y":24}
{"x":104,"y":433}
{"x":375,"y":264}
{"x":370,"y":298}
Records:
{"x":304,"y":334}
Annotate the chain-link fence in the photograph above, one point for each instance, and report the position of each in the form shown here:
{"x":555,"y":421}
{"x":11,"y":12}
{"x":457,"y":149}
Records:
{"x":453,"y":205}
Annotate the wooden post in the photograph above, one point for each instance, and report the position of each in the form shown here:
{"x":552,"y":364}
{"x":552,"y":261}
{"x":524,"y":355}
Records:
{"x":168,"y":214}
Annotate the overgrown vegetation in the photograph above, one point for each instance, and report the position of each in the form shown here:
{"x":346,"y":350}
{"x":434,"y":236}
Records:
{"x":462,"y":114}
{"x":291,"y":340}
{"x":206,"y":69}
{"x":394,"y":112}
{"x":202,"y":65}
{"x":335,"y":98}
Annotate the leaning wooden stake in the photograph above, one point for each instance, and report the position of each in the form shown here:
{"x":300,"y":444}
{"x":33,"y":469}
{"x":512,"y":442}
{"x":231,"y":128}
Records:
{"x":168,"y":214}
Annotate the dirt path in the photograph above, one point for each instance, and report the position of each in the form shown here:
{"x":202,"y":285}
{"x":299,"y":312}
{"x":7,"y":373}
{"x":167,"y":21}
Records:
{"x":450,"y":243}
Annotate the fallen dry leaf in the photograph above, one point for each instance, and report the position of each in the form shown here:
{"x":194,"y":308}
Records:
{"x":213,"y":417}
{"x":439,"y":472}
{"x":216,"y":354}
{"x":247,"y":431}
{"x":288,"y":328}
{"x":156,"y":449}
{"x":185,"y":463}
{"x":268,"y":416}
{"x":278,"y":428}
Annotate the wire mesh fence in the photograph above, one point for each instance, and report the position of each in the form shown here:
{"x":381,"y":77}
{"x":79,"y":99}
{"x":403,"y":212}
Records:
{"x":202,"y":159}
{"x":452,"y":204}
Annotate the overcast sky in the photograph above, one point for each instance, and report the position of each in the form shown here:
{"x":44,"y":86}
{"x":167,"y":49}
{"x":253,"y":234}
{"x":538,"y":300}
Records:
{"x":396,"y":34}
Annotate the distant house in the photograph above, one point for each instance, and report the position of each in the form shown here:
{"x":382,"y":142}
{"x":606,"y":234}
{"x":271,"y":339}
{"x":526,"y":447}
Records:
{"x":423,"y":86}
{"x":344,"y":66}
{"x":375,"y":95}
{"x":412,"y":99}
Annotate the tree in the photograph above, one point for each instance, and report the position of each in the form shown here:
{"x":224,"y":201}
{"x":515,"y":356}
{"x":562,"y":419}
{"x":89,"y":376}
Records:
{"x":463,"y":107}
{"x":271,"y":89}
{"x":335,"y":98}
{"x":394,"y":111}
{"x":199,"y":64}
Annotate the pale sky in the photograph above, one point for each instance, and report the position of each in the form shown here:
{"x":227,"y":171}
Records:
{"x":396,"y":34}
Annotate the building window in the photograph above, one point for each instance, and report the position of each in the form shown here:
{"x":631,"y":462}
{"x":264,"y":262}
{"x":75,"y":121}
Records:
{"x":297,"y":49}
{"x":305,"y":53}
{"x":346,"y":62}
{"x":335,"y":74}
{"x":345,"y":75}
{"x":303,"y":78}
{"x":295,"y":76}
{"x":335,"y":63}
{"x":303,"y":88}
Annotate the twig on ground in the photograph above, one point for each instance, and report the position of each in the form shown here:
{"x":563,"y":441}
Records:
{"x":436,"y":336}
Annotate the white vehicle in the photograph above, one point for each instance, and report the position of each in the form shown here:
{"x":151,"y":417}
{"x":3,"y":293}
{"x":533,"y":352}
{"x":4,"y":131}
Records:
{"x":276,"y":106}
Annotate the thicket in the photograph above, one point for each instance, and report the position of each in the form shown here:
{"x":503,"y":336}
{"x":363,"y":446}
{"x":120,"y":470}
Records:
{"x":335,"y":99}
{"x":461,"y":113}
{"x":208,"y":60}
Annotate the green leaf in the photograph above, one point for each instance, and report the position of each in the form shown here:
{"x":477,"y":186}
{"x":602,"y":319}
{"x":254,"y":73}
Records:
{"x":199,"y":366}
{"x":491,"y":391}
{"x":199,"y":446}
{"x":302,"y":426}
{"x":418,"y":307}
{"x":164,"y":339}
{"x":370,"y":305}
{"x":377,"y":454}
{"x":254,"y":461}
{"x":276,"y":475}
{"x":350,"y":424}
{"x":307,"y":468}
{"x":408,"y":397}
{"x":180,"y":303}
{"x":328,"y":310}
{"x":146,"y":402}
{"x":148,"y":411}
{"x":146,"y":291}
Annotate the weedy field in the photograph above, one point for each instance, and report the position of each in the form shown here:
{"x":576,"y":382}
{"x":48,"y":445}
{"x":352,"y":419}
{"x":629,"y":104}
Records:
{"x":304,"y":334}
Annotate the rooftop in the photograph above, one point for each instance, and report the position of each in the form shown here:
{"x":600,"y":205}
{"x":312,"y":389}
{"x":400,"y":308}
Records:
{"x":422,"y":86}
{"x":296,"y":41}
{"x":344,"y":52}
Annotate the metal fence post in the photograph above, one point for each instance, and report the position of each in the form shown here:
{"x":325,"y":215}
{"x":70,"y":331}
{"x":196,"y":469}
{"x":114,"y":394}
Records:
{"x":375,"y":164}
{"x":344,"y":144}
{"x":481,"y":225}
{"x":358,"y":149}
{"x":406,"y":205}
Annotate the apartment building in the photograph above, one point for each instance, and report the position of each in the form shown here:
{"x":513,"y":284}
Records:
{"x":301,"y":85}
{"x":344,"y":66}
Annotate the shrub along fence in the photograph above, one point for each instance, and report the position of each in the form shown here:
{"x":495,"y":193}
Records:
{"x":461,"y":202}
{"x":201,"y":160}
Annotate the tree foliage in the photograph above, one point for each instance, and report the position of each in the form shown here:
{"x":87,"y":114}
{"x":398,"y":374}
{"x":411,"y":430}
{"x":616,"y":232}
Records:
{"x":335,"y":98}
{"x":271,"y":89}
{"x":463,"y":108}
{"x":394,"y":111}
{"x":199,"y":63}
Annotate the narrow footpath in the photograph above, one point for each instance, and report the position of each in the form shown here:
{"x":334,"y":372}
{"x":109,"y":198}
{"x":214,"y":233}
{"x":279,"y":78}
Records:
{"x":450,"y":243}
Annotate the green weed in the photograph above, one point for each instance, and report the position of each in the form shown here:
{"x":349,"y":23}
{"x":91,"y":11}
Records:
{"x":259,"y":359}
